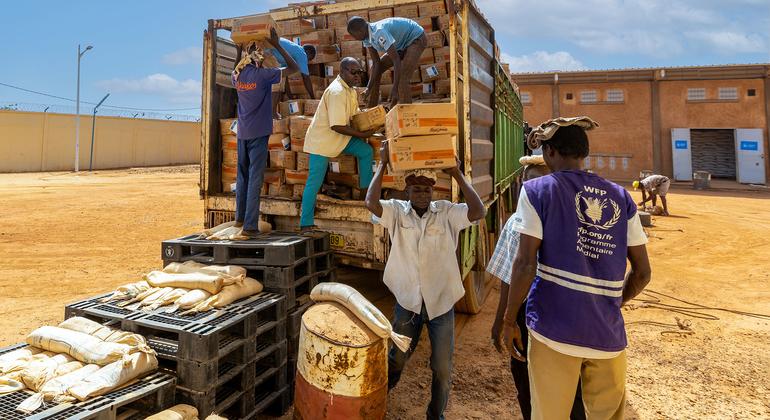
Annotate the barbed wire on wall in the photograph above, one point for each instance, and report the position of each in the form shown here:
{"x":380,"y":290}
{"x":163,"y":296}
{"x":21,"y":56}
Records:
{"x":102,"y":111}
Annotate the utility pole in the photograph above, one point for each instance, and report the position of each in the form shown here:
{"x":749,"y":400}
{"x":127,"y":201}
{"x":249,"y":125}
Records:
{"x":93,"y":128}
{"x":77,"y":112}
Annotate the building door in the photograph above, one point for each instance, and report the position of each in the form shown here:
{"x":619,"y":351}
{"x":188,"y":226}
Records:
{"x":713,"y":151}
{"x":681,"y":154}
{"x":750,"y":154}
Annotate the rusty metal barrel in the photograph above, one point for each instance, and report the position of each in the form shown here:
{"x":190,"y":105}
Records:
{"x":342,"y":367}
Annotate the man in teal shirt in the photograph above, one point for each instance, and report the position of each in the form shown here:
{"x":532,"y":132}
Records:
{"x":401,"y":42}
{"x":302,"y":54}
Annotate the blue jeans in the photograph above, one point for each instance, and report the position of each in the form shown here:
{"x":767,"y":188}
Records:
{"x":252,"y":159}
{"x":356,"y":147}
{"x":441,"y":331}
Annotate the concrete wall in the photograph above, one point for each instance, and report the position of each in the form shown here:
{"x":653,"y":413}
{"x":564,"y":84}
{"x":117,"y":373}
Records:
{"x":33,"y":141}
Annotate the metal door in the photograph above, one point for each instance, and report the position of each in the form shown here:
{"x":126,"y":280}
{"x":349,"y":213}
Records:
{"x":750,"y":155}
{"x":681,"y":154}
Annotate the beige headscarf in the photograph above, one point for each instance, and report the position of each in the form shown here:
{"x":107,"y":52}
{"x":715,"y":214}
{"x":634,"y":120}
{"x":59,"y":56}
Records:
{"x":531,"y":160}
{"x":546,"y":130}
{"x":256,"y":57}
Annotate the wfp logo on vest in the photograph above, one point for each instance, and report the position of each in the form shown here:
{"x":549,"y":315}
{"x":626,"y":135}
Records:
{"x":590,"y":210}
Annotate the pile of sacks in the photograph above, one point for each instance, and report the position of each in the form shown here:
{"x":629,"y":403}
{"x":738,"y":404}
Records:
{"x":74,"y":361}
{"x":190,"y":287}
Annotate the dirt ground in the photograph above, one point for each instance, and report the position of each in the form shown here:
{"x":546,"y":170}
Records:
{"x":65,"y":237}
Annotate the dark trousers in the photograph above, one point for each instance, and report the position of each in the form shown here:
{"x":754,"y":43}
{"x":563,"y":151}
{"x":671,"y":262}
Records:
{"x":252,"y":159}
{"x":521,"y":376}
{"x":441,"y":331}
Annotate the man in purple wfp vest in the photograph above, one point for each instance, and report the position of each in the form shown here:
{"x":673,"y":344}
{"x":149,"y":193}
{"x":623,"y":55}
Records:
{"x":255,"y":124}
{"x":577,"y":232}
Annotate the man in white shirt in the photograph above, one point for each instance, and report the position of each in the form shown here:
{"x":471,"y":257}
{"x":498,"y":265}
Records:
{"x":422,"y":270}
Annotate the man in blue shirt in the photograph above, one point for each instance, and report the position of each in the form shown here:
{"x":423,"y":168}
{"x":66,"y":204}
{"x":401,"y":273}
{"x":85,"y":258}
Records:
{"x":255,"y":124}
{"x":302,"y":54}
{"x":401,"y":42}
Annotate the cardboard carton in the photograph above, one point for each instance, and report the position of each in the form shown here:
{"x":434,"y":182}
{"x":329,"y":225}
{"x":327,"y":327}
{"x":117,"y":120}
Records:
{"x":297,"y":145}
{"x":442,"y":54}
{"x":281,"y":126}
{"x":320,"y":22}
{"x":431,"y":72}
{"x":315,"y":38}
{"x":299,"y":125}
{"x":280,"y":190}
{"x":417,"y":152}
{"x":418,"y":89}
{"x":311,"y":105}
{"x":427,"y":57}
{"x":252,"y":28}
{"x":332,"y":69}
{"x":278,"y":141}
{"x":274,"y":176}
{"x":230,"y":157}
{"x":303,"y":161}
{"x":283,"y":159}
{"x":348,"y":180}
{"x":443,"y":22}
{"x":410,"y":11}
{"x":442,"y":195}
{"x":370,"y":119}
{"x":289,"y":108}
{"x":361,"y":13}
{"x":326,"y":54}
{"x":337,"y":20}
{"x":434,"y":8}
{"x":297,"y":84}
{"x":342,"y":35}
{"x":443,"y":182}
{"x":443,"y":87}
{"x":225,"y":124}
{"x":294,"y":177}
{"x":264,"y":190}
{"x":393,"y":180}
{"x":380,"y":14}
{"x":342,"y":164}
{"x":297,"y":190}
{"x":435,"y":39}
{"x":352,"y":49}
{"x":296,"y":26}
{"x":421,"y":119}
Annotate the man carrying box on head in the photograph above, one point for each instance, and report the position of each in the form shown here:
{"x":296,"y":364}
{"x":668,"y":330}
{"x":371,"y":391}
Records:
{"x":331,"y":134}
{"x":255,"y":124}
{"x":401,"y":41}
{"x":301,"y":55}
{"x":422,"y":270}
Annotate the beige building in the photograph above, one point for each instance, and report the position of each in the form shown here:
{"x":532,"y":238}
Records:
{"x":674,"y":121}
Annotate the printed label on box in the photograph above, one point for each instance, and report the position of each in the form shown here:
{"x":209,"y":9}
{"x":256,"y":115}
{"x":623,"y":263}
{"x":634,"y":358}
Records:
{"x":334,"y":167}
{"x":680,"y":144}
{"x":234,"y":126}
{"x":427,"y":88}
{"x":432,"y":71}
{"x":293,"y":107}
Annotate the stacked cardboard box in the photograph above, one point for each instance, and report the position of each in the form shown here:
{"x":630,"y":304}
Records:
{"x":422,"y":136}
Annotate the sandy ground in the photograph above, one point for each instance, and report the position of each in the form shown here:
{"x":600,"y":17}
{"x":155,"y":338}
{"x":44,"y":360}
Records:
{"x":64,"y":237}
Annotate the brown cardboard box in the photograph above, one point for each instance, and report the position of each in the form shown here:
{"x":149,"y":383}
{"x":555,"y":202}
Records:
{"x":337,"y":20}
{"x":434,"y":8}
{"x":332,"y":69}
{"x":426,"y":23}
{"x":265,"y":190}
{"x":351,"y":49}
{"x":418,"y":89}
{"x":443,"y":22}
{"x":427,"y":57}
{"x":376,"y":142}
{"x":370,"y":119}
{"x":316,"y":38}
{"x":280,"y":190}
{"x":274,"y":176}
{"x":297,"y":84}
{"x":297,"y":190}
{"x":342,"y":35}
{"x":303,"y":161}
{"x":320,"y":22}
{"x":319,"y":93}
{"x":296,"y":26}
{"x":431,"y":72}
{"x":361,"y":13}
{"x":343,"y":164}
{"x":326,"y":54}
{"x":278,"y":141}
{"x":443,"y":182}
{"x":416,"y":77}
{"x":435,"y":39}
{"x":349,"y":180}
{"x":422,"y":152}
{"x":407,"y":11}
{"x":289,"y":108}
{"x":316,"y":70}
{"x":443,"y":87}
{"x":281,"y":125}
{"x":442,"y":195}
{"x":421,"y":119}
{"x":380,"y":14}
{"x":283,"y":159}
{"x":225,"y":124}
{"x":299,"y":126}
{"x":393,"y":180}
{"x":252,"y":28}
{"x":230,"y":157}
{"x":311,"y":105}
{"x":297,"y":144}
{"x":296,"y":177}
{"x":442,"y":54}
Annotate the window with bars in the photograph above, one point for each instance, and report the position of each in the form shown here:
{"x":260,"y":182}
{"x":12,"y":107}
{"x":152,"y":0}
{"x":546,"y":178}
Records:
{"x":615,"y":95}
{"x":526,"y":98}
{"x":588,"y":96}
{"x":728,"y":94}
{"x":696,"y":94}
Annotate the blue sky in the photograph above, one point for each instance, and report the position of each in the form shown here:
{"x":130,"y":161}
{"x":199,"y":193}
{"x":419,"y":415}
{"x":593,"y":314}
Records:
{"x":148,"y":54}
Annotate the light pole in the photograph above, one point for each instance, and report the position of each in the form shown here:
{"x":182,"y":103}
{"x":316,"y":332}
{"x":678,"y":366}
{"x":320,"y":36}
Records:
{"x":77,"y":112}
{"x":93,"y":128}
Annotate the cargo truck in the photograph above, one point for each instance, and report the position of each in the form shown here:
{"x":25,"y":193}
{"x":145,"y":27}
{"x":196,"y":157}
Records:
{"x":490,"y":142}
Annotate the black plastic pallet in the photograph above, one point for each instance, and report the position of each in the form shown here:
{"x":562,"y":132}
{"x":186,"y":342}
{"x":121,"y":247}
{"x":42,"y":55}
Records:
{"x":202,"y":376}
{"x":320,"y":241}
{"x":294,"y":320}
{"x":295,"y":293}
{"x":272,"y":357}
{"x":152,"y":393}
{"x":322,"y":262}
{"x":270,"y":400}
{"x":274,"y":249}
{"x":293,"y":345}
{"x":201,"y":337}
{"x":280,"y":276}
{"x":236,"y":394}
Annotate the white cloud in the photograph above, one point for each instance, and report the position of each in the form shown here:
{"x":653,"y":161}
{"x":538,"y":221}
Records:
{"x":727,"y":42}
{"x":543,"y":61}
{"x":189,"y":55}
{"x":158,"y":84}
